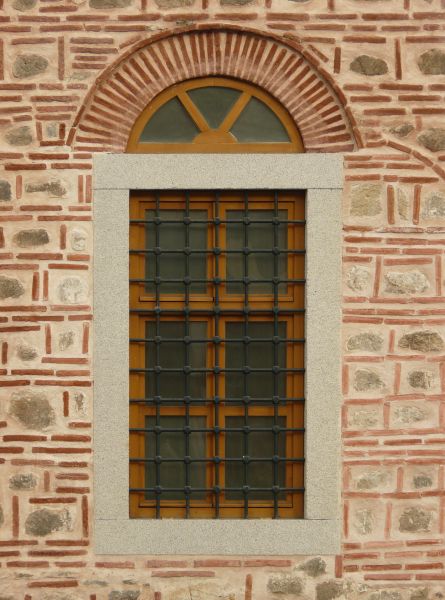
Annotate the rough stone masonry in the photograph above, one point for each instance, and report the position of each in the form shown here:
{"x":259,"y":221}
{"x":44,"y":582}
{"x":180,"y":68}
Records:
{"x":385,"y":60}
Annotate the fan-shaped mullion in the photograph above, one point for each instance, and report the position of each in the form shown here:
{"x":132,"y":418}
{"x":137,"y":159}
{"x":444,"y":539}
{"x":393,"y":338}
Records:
{"x":193,"y":111}
{"x":235,"y":112}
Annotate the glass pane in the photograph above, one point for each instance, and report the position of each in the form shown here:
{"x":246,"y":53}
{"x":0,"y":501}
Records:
{"x":258,"y":123}
{"x":173,"y":263}
{"x":260,"y":264}
{"x":258,"y":353}
{"x":214,"y":103}
{"x":171,"y":353}
{"x":172,"y":444}
{"x":257,"y":444}
{"x":170,"y":123}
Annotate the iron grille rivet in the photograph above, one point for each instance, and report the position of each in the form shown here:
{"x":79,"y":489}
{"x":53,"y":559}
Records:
{"x":187,"y":429}
{"x":276,"y":429}
{"x":216,"y":280}
{"x":276,"y":339}
{"x":247,"y":339}
{"x":187,"y":339}
{"x":246,"y":369}
{"x":217,"y":251}
{"x":216,"y":370}
{"x":276,"y":489}
{"x":246,"y":399}
{"x":157,"y":220}
{"x":276,"y":458}
{"x":187,"y":369}
{"x":158,"y":489}
{"x":157,"y":429}
{"x":187,"y":220}
{"x":157,"y":250}
{"x":216,"y":339}
{"x":246,"y":459}
{"x":246,"y":429}
{"x":158,"y":339}
{"x":246,"y":251}
{"x":187,"y":251}
{"x":246,"y":489}
{"x":187,"y":460}
{"x":187,"y":490}
{"x":246,"y":221}
{"x":217,"y":221}
{"x":275,"y":250}
{"x":158,"y":369}
{"x":187,"y":399}
{"x":217,"y":460}
{"x":276,"y":369}
{"x":158,"y":459}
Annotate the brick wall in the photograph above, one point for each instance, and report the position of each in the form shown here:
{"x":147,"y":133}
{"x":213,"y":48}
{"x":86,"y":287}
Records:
{"x":385,"y":61}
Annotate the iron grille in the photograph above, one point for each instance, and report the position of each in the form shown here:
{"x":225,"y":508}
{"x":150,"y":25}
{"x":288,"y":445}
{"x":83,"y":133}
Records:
{"x":216,"y":354}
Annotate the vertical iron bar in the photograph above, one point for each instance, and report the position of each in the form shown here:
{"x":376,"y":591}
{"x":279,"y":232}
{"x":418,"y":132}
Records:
{"x":216,"y":397}
{"x":187,"y":353}
{"x":246,"y":353}
{"x":158,"y":354}
{"x":276,"y":347}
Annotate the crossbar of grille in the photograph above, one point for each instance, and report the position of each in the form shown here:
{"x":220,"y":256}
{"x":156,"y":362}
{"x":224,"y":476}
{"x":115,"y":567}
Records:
{"x":202,"y":407}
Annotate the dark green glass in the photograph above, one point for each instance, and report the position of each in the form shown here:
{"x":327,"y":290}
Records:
{"x":173,"y":265}
{"x":260,"y":265}
{"x":173,"y":445}
{"x":260,"y":445}
{"x":257,"y":354}
{"x":258,"y":123}
{"x":173,"y":386}
{"x":214,"y":103}
{"x":170,"y":123}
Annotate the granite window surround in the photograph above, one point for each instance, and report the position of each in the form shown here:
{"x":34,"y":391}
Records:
{"x":321,"y":176}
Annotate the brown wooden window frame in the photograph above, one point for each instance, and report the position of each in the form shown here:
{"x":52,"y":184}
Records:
{"x":292,"y":299}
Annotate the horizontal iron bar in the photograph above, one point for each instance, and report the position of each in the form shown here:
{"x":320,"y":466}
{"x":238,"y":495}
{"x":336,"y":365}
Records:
{"x":190,"y":370}
{"x":210,"y":280}
{"x":216,"y":221}
{"x":191,"y":489}
{"x":219,"y":311}
{"x":243,"y":340}
{"x":215,"y":459}
{"x":187,"y":429}
{"x":271,"y":252}
{"x":241,"y":400}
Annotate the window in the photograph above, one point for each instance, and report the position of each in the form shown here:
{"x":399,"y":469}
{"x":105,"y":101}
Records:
{"x":121,"y":178}
{"x":217,"y":354}
{"x":214,"y":114}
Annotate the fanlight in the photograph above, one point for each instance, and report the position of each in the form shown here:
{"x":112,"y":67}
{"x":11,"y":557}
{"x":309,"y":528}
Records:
{"x":214,"y":114}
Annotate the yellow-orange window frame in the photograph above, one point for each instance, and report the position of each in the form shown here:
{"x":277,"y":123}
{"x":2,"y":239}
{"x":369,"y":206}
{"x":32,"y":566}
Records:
{"x":215,"y":140}
{"x":293,"y":298}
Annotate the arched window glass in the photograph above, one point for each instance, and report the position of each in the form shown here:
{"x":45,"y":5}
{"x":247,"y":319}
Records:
{"x":214,"y":114}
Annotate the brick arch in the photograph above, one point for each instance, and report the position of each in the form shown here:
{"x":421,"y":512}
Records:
{"x":282,"y":68}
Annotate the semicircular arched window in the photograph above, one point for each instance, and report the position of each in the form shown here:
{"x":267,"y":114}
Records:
{"x":214,"y":114}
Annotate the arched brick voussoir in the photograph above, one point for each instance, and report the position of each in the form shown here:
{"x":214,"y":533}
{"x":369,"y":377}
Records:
{"x":122,"y":92}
